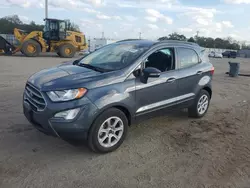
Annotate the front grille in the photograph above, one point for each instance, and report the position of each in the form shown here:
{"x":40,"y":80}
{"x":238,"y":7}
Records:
{"x":34,"y":97}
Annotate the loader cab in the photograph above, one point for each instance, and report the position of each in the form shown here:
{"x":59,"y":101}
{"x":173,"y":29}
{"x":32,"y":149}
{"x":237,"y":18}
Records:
{"x":54,"y":30}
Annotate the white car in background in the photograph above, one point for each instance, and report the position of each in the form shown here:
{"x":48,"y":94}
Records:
{"x":215,"y":55}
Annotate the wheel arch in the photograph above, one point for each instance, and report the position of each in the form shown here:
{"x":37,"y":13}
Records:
{"x":122,"y":108}
{"x":209,"y":90}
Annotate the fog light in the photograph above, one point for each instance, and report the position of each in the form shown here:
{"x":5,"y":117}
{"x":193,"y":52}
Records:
{"x":68,"y":114}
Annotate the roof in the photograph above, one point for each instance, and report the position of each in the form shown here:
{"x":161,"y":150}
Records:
{"x":178,"y":42}
{"x":151,"y":43}
{"x":138,"y":41}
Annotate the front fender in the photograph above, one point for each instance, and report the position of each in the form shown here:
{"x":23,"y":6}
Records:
{"x":120,"y":94}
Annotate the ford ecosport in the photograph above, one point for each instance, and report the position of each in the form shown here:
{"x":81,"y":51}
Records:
{"x":97,"y":97}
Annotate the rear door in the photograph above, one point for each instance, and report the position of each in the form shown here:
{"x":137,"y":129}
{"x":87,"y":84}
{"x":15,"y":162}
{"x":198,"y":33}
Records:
{"x":189,"y":73}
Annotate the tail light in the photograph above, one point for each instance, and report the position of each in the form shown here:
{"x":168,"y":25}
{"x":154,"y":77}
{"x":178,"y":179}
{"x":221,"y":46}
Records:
{"x":212,"y":70}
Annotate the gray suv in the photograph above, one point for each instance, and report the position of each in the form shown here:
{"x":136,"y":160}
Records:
{"x":96,"y":98}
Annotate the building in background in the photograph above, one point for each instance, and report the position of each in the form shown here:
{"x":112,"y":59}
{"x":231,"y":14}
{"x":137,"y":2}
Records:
{"x":96,"y":43}
{"x":245,"y":53}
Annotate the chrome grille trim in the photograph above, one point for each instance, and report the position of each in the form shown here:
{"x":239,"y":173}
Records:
{"x":34,"y":97}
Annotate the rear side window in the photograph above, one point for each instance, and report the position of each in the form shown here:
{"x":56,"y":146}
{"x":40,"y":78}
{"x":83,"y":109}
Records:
{"x":187,"y":57}
{"x":204,"y":55}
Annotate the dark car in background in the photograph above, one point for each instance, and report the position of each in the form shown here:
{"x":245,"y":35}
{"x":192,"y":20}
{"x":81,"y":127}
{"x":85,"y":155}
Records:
{"x":229,"y":54}
{"x":97,"y":97}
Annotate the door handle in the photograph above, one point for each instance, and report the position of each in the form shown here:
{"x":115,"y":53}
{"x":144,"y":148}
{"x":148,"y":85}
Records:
{"x":199,"y":72}
{"x":170,"y":80}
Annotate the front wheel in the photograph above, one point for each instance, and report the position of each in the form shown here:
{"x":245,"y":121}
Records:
{"x":201,"y":105}
{"x":108,"y":131}
{"x":31,"y":48}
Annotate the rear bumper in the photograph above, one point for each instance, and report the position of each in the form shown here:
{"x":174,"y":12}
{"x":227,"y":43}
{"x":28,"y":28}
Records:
{"x":74,"y":129}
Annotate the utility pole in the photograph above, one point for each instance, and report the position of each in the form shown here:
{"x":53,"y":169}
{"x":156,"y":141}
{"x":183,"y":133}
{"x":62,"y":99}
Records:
{"x":139,"y":35}
{"x":46,"y":9}
{"x":89,"y":44}
{"x":197,"y":33}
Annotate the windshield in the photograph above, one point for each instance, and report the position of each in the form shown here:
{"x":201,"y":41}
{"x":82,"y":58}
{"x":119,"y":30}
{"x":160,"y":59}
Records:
{"x":115,"y":56}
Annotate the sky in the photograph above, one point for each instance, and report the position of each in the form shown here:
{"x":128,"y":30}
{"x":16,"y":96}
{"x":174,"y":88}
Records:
{"x":120,"y":19}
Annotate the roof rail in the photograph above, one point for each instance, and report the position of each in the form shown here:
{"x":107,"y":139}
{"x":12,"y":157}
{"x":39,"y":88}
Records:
{"x":178,"y":41}
{"x":128,"y":40}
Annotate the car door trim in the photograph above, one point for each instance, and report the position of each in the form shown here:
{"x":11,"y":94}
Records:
{"x":164,"y":102}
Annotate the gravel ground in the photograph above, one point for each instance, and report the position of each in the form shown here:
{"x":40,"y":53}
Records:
{"x":166,"y":151}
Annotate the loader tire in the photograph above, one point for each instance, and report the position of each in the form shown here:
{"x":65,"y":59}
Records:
{"x":67,"y":50}
{"x":31,"y":48}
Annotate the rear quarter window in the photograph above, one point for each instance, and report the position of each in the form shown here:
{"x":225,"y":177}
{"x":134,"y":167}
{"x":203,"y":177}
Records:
{"x":204,"y":55}
{"x":187,"y":57}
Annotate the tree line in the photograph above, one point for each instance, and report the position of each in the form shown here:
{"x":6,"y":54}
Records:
{"x":8,"y":23}
{"x":208,"y":42}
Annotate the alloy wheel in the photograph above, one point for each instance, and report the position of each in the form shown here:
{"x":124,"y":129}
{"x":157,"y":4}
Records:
{"x":110,"y":132}
{"x":202,"y":104}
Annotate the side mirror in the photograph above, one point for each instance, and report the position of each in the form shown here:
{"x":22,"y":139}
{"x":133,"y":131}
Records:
{"x":149,"y":72}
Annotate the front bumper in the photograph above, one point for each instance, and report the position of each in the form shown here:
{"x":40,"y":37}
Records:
{"x":74,"y":129}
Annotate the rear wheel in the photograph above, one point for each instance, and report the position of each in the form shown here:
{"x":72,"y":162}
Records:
{"x":31,"y":48}
{"x":108,"y":131}
{"x":201,"y":105}
{"x":67,"y":50}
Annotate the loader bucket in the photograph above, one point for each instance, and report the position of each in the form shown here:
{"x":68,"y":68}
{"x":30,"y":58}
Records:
{"x":6,"y":47}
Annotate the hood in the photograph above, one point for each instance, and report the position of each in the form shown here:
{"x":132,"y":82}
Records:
{"x":58,"y":75}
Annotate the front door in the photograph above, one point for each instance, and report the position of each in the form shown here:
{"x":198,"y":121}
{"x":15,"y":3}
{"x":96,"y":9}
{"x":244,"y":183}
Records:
{"x":159,"y":92}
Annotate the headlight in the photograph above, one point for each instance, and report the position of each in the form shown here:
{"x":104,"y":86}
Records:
{"x":66,"y":95}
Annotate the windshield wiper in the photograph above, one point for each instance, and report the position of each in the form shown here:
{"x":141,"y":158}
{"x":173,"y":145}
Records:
{"x":98,"y":69}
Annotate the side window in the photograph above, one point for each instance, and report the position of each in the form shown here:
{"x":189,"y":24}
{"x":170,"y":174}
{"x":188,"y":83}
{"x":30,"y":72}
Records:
{"x":62,"y":26}
{"x":187,"y":57}
{"x":162,"y":59}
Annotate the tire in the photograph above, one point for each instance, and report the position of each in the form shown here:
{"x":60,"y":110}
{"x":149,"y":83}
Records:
{"x":31,"y":48}
{"x":101,"y":123}
{"x":67,"y":50}
{"x":194,"y":110}
{"x":58,"y":53}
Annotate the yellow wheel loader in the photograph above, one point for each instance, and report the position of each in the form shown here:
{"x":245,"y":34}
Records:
{"x":55,"y":38}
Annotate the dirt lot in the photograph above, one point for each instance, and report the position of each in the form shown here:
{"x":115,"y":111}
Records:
{"x":167,"y":151}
